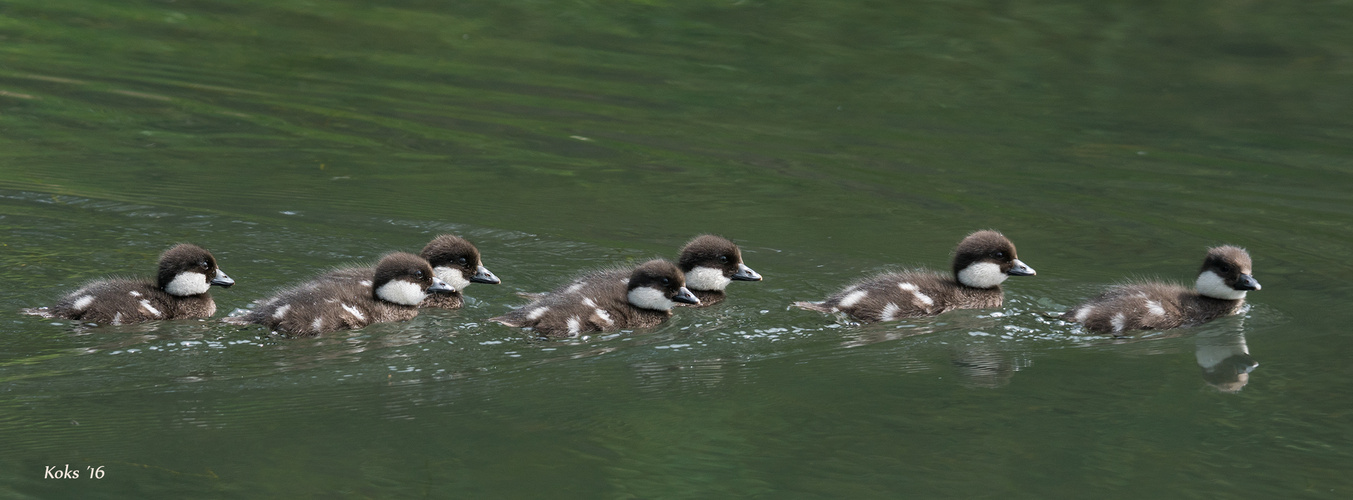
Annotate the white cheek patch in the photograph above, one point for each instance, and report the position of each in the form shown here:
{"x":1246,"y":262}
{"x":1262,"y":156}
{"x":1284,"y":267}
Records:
{"x":189,"y":283}
{"x":537,"y":313}
{"x":354,"y":312}
{"x":1211,"y":285}
{"x":145,"y":304}
{"x":706,"y":278}
{"x":852,"y":298}
{"x":401,"y":292}
{"x":452,"y":277}
{"x":982,"y":275}
{"x":281,"y":311}
{"x":83,"y":302}
{"x":646,"y":297}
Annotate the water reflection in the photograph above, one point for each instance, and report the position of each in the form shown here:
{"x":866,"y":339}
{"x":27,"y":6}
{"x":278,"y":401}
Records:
{"x":986,"y":366}
{"x":1225,"y":359}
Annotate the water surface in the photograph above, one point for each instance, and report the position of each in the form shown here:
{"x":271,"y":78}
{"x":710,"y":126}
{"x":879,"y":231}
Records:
{"x":830,"y":140}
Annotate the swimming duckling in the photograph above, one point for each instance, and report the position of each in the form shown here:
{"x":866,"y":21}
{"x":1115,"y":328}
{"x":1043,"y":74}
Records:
{"x":180,"y":291}
{"x":392,"y":292}
{"x":982,"y":261}
{"x":1219,"y":291}
{"x":644,"y":299}
{"x":452,"y":258}
{"x":709,"y":263}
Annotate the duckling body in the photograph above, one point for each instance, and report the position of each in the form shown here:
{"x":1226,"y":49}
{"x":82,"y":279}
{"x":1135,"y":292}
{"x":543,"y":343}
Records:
{"x":605,"y":300}
{"x":1219,"y":291}
{"x":391,"y":292}
{"x":982,"y":261}
{"x":181,"y":291}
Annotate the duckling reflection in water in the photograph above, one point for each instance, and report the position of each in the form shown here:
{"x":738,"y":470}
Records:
{"x":1225,"y":360}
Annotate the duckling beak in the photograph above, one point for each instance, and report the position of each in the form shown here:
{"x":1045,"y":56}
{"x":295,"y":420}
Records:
{"x":685,"y":295}
{"x":1018,"y":268}
{"x":746,"y":273}
{"x":222,"y":280}
{"x":482,"y":275}
{"x":440,"y":286}
{"x":1247,"y":282}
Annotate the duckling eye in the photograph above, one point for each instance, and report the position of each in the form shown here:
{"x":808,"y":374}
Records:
{"x":462,"y":260}
{"x":203,"y":264}
{"x":723,"y":258}
{"x":1223,"y":267}
{"x":998,"y":254}
{"x":418,"y":273}
{"x":666,"y":281}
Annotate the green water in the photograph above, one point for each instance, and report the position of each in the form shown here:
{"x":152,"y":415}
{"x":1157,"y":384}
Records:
{"x":830,"y":139}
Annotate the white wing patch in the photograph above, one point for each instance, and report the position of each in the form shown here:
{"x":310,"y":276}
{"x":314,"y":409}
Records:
{"x":188,"y":283}
{"x":1118,"y":321}
{"x":707,"y":278}
{"x":83,"y":302}
{"x":575,"y":287}
{"x":354,"y":312}
{"x":852,"y":298}
{"x":890,"y":311}
{"x":921,"y":299}
{"x":537,"y":313}
{"x":317,"y":324}
{"x":134,"y":293}
{"x":117,"y":318}
{"x":145,"y":304}
{"x":982,"y":275}
{"x":365,"y":282}
{"x":281,"y":311}
{"x":1084,"y":314}
{"x":604,"y":316}
{"x":1154,"y":308}
{"x":574,"y":326}
{"x":587,"y":301}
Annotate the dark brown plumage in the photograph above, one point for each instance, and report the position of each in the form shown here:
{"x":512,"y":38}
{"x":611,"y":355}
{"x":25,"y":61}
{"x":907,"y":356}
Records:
{"x":604,"y":301}
{"x":981,"y":262}
{"x":180,"y":291}
{"x":1219,"y":291}
{"x":391,"y":292}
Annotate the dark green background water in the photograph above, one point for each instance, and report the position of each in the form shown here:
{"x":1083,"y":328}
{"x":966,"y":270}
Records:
{"x":830,"y":139}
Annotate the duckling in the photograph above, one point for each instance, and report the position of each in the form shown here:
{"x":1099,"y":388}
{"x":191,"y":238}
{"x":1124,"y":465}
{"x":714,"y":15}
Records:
{"x":982,"y":261}
{"x":644,"y":299}
{"x":392,"y":292}
{"x":452,"y":258}
{"x":180,"y":291}
{"x":1219,"y":291}
{"x":709,"y":262}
